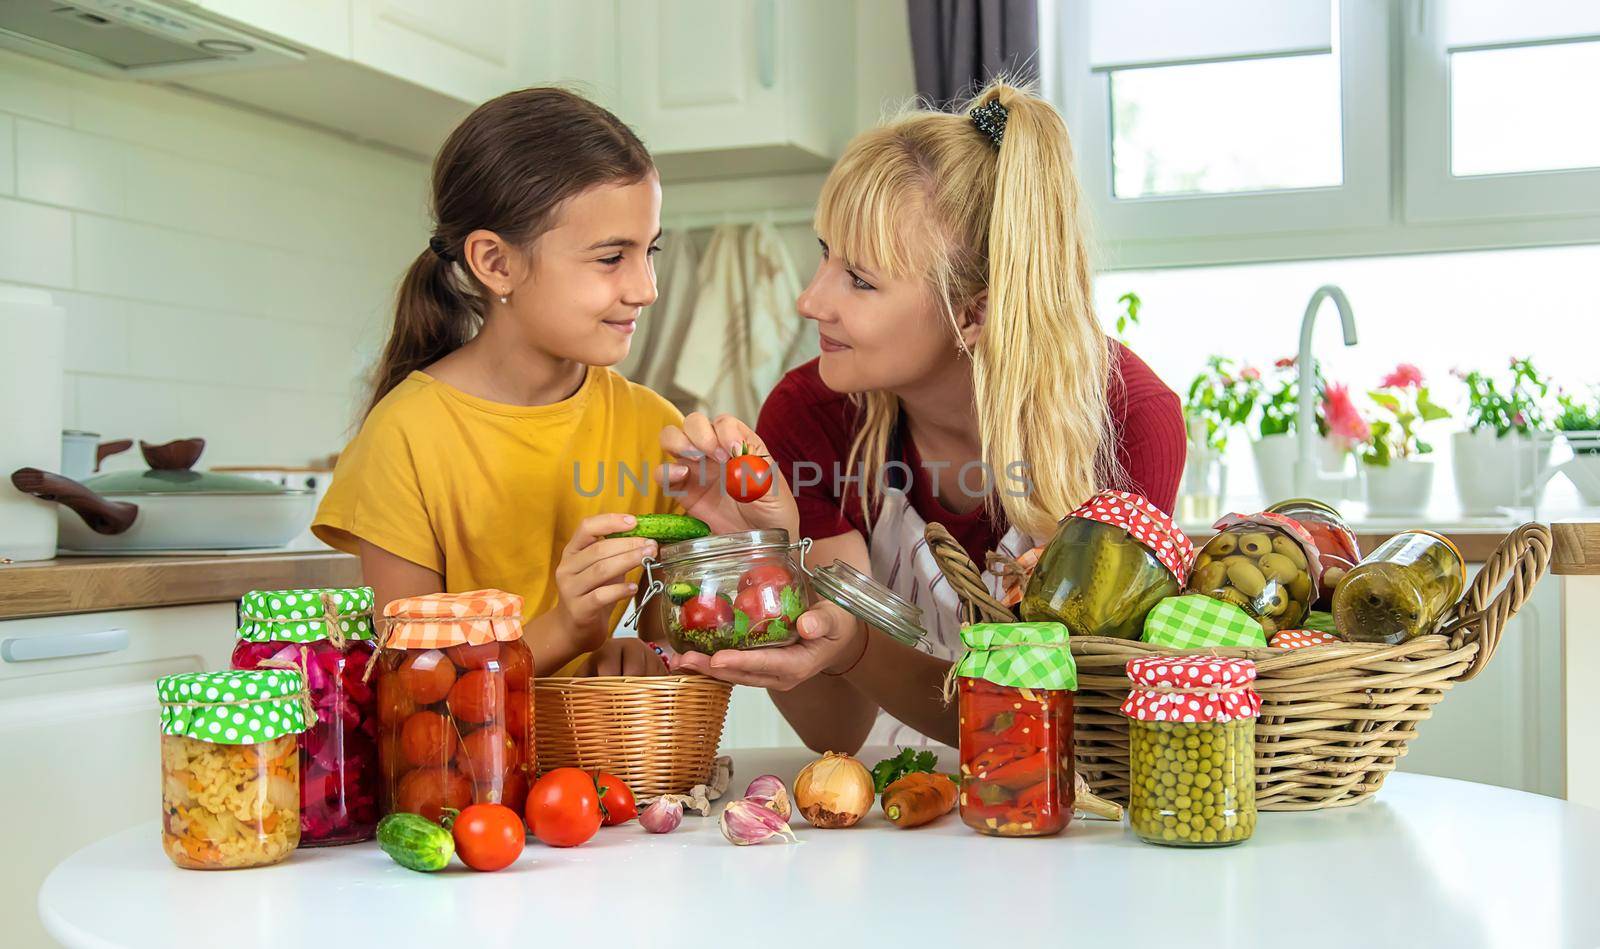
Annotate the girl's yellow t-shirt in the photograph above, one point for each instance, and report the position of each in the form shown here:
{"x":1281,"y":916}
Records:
{"x":487,"y":495}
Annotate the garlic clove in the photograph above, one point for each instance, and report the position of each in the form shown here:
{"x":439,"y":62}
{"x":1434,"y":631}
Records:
{"x":770,"y":790}
{"x":663,"y":816}
{"x":748,"y":821}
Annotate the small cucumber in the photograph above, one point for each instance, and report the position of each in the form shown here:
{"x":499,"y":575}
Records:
{"x":681,"y":593}
{"x":415,"y":842}
{"x":667,"y":528}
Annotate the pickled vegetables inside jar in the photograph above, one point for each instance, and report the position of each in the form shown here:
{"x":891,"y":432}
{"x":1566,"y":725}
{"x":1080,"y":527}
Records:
{"x":1110,"y":562}
{"x":1401,"y":590}
{"x":230,"y":766}
{"x":1266,"y":564}
{"x":327,"y":635}
{"x":1338,"y":550}
{"x":1191,"y":750}
{"x":1015,"y":684}
{"x":455,"y":717}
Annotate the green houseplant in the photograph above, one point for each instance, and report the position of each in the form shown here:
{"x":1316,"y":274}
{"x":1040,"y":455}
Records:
{"x":1399,"y":480}
{"x":1501,"y":459}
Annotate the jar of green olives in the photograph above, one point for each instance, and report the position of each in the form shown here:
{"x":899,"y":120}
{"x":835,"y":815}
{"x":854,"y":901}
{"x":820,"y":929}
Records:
{"x":1191,"y":750}
{"x":1266,"y":564}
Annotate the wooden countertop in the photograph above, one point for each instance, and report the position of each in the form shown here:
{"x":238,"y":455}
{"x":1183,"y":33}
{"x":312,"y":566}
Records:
{"x":1577,"y":548}
{"x":94,"y":584}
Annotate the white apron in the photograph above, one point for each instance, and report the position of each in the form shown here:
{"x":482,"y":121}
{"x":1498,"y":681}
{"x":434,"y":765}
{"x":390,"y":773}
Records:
{"x":902,"y":562}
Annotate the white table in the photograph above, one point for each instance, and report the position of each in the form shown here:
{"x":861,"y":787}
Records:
{"x":1429,"y":862}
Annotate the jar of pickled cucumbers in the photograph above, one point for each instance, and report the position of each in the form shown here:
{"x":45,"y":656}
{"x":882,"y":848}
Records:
{"x":327,"y":635}
{"x":1266,"y":564}
{"x":230,"y":766}
{"x":1191,"y":750}
{"x":1015,"y":683}
{"x":1110,"y":562}
{"x":455,"y":724}
{"x":1401,"y":590}
{"x":1338,"y":550}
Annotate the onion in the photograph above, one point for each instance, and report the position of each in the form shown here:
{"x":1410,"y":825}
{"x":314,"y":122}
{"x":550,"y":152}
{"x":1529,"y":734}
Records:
{"x":833,"y":791}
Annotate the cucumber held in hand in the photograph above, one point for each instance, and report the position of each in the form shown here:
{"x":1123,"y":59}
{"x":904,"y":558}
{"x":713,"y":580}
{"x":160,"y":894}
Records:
{"x":667,"y":528}
{"x":415,"y":842}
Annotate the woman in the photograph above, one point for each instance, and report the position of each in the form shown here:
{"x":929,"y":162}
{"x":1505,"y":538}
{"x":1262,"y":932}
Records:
{"x":958,"y":337}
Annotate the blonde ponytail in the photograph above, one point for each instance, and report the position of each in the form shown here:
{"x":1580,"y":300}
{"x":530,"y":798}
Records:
{"x":930,"y":194}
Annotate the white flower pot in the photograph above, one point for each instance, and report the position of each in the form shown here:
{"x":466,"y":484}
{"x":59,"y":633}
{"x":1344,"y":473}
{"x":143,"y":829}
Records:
{"x":1401,"y":488}
{"x":1493,"y":473}
{"x":1275,"y":461}
{"x":1584,"y":473}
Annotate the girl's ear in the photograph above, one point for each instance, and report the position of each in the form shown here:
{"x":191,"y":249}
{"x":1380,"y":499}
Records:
{"x":973,"y":316}
{"x":494,"y":262}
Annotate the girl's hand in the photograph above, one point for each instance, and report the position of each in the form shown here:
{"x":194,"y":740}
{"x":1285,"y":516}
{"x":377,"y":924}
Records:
{"x":624,"y":656}
{"x":701,"y":449}
{"x":829,"y":641}
{"x":592,"y":575}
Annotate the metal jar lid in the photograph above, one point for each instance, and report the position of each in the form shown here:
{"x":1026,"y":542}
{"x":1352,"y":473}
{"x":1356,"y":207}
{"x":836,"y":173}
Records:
{"x":869,"y":601}
{"x":713,"y":546}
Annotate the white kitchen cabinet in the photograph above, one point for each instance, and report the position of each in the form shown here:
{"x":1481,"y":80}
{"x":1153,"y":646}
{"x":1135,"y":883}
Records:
{"x":79,"y":751}
{"x":472,"y":50}
{"x":732,"y":87}
{"x":322,"y":25}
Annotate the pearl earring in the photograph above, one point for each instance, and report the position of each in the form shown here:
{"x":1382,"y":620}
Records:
{"x":504,"y":296}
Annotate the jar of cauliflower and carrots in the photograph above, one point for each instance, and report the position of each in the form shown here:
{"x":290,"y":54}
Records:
{"x":1015,"y":683}
{"x":230,"y":766}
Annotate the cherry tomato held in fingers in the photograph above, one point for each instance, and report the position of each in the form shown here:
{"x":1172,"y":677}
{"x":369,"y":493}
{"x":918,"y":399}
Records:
{"x":747,"y":477}
{"x":616,"y":803}
{"x":705,"y":612}
{"x":768,"y":574}
{"x":564,"y":807}
{"x":488,"y":836}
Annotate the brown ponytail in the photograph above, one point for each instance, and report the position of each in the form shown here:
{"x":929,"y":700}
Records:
{"x":505,"y":168}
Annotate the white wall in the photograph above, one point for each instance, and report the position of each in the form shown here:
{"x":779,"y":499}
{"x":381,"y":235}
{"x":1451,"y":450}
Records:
{"x":224,"y":274}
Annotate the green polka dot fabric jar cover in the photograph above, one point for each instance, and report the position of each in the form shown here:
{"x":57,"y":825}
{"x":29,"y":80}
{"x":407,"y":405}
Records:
{"x":230,"y":766}
{"x":327,"y":634}
{"x":1015,"y":683}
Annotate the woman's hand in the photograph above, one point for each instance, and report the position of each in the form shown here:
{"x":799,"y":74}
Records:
{"x":624,"y":656}
{"x":830,"y":640}
{"x":592,"y":576}
{"x":701,"y":449}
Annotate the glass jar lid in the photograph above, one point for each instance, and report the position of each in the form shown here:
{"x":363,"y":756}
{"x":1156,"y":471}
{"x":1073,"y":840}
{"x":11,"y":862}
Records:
{"x":721,"y":545}
{"x":869,"y":601}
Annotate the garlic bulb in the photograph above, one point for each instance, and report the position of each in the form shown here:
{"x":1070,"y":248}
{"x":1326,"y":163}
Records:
{"x":769,"y":790}
{"x":834,"y":791}
{"x":748,"y":821}
{"x":663,"y":816}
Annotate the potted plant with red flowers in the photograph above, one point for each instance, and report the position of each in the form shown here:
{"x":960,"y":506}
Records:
{"x":1499,"y":459}
{"x":1276,"y":448}
{"x":1399,"y":478}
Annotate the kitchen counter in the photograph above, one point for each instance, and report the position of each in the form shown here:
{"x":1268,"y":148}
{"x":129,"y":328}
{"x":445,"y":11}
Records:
{"x":95,"y":584}
{"x":1429,"y":861}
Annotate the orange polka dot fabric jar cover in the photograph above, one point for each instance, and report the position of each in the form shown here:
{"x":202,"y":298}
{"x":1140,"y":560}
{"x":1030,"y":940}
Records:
{"x":455,"y":717}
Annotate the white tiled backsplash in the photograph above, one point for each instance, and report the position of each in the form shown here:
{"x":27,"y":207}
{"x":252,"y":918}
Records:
{"x":224,"y":274}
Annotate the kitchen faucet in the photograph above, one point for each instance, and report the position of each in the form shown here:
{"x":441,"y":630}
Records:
{"x":1305,"y":467}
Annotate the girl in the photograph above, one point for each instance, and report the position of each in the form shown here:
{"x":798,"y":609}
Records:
{"x":492,"y":413}
{"x":958,"y":340}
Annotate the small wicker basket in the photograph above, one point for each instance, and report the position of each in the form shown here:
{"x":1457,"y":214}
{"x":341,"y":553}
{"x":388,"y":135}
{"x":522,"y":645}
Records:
{"x":1334,"y":719}
{"x":657,"y":733}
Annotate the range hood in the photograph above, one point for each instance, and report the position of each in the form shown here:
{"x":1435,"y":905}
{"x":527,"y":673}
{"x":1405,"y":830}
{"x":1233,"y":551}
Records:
{"x":136,"y":39}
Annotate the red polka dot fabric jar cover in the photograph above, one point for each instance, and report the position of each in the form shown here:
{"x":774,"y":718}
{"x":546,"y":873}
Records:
{"x":1144,"y":522}
{"x":1191,"y":689}
{"x":1302,"y":639}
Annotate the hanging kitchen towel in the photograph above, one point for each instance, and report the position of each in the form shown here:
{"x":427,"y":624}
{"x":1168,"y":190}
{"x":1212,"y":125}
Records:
{"x":712,"y":363}
{"x":776,"y":336}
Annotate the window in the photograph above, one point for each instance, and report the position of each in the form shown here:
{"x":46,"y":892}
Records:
{"x":1511,"y":109}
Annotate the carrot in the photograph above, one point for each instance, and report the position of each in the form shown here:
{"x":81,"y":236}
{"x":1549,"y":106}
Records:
{"x":918,"y":799}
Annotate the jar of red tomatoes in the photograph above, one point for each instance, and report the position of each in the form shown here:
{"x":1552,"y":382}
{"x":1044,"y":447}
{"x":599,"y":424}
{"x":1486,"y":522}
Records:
{"x":1338,"y":550}
{"x":1015,"y":683}
{"x":455,"y":724}
{"x":326,"y":634}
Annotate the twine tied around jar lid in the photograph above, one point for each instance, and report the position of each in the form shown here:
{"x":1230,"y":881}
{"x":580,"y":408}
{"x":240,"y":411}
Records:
{"x":383,"y":630}
{"x":948,"y":690}
{"x":302,"y":696}
{"x":331,"y":620}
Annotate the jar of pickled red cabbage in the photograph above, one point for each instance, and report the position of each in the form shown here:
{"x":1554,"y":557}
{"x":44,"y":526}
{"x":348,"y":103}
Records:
{"x":455,"y":724}
{"x":230,"y":766}
{"x":1110,"y":562}
{"x":327,"y":635}
{"x":1015,"y":683}
{"x":1191,"y":750}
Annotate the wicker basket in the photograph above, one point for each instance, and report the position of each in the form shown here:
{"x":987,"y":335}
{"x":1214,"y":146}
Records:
{"x":1334,"y":719}
{"x":657,"y":733}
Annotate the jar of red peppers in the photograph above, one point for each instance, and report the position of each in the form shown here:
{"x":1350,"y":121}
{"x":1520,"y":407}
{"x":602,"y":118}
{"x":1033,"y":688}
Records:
{"x":326,"y":634}
{"x":1191,"y":750}
{"x":1338,"y":549}
{"x":455,"y":724}
{"x":1015,"y":683}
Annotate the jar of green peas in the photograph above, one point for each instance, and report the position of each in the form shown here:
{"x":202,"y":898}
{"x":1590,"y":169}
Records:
{"x":1191,"y":750}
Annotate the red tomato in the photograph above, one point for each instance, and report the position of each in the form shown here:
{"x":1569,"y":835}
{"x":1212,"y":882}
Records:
{"x":392,"y":755}
{"x":765,"y":575}
{"x":427,"y":676}
{"x":394,"y":702}
{"x":747,"y":477}
{"x":478,"y":696}
{"x":519,"y":705}
{"x":468,"y":656}
{"x":705,"y":612}
{"x":488,"y":836}
{"x":428,"y":738}
{"x":564,"y":807}
{"x":617,"y":802}
{"x":488,"y":754}
{"x":512,"y":792}
{"x":517,"y":664}
{"x":760,"y":603}
{"x":428,"y":791}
